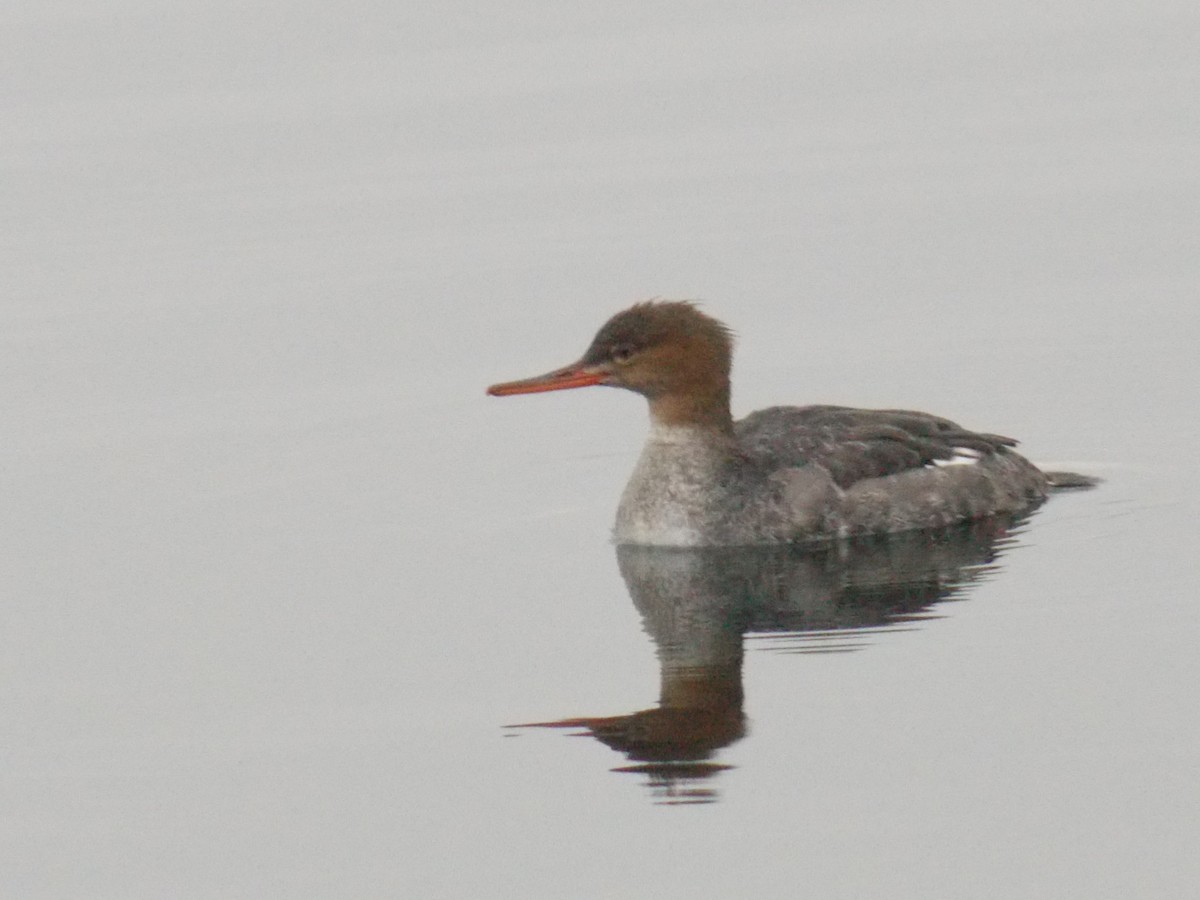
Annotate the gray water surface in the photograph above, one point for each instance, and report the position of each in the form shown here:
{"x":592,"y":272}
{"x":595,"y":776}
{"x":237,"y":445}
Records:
{"x":279,"y":582}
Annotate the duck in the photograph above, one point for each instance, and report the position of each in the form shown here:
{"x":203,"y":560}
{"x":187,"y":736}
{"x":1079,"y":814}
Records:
{"x":785,"y":474}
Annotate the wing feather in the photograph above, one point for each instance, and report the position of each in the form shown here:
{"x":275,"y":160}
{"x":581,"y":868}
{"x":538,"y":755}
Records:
{"x":855,"y":444}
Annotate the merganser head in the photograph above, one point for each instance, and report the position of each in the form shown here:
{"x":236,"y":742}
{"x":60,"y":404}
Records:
{"x":668,"y":351}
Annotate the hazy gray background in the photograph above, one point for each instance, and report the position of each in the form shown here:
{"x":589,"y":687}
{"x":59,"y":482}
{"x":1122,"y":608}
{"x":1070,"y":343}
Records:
{"x":276,"y":573}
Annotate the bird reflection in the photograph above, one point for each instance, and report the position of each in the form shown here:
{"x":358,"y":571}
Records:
{"x":698,"y":603}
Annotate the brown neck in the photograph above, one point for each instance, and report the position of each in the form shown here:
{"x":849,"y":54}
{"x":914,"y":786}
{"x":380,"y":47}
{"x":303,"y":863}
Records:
{"x":709,"y":410}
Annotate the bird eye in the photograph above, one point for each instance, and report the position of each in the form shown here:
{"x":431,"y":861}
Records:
{"x":621,"y":353}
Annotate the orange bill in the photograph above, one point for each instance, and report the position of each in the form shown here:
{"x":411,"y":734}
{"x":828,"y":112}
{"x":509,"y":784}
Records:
{"x":574,"y":376}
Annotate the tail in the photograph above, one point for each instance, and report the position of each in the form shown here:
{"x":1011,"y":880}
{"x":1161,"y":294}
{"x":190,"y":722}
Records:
{"x":1063,"y":481}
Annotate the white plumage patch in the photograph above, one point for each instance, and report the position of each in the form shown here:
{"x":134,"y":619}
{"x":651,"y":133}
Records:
{"x":963,"y":456}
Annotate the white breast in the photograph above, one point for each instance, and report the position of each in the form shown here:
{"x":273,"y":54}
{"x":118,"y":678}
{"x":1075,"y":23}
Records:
{"x":670,"y":495}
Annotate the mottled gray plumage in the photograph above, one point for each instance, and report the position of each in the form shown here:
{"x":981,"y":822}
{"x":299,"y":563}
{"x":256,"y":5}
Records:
{"x":853,"y":444}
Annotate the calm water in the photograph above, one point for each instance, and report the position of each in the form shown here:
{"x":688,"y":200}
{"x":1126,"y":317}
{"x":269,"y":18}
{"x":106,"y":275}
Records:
{"x":291,"y":609}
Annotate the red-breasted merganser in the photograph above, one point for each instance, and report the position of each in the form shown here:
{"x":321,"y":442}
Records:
{"x":787,"y":473}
